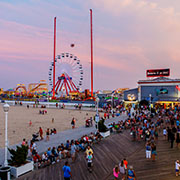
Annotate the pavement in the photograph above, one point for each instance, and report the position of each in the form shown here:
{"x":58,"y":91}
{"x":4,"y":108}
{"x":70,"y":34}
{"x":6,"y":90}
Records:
{"x":63,"y":136}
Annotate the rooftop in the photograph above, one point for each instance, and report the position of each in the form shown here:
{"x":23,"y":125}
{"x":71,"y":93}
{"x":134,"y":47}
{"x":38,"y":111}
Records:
{"x":159,"y":80}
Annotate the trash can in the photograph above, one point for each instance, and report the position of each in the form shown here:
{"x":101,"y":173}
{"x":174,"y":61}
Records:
{"x":5,"y":173}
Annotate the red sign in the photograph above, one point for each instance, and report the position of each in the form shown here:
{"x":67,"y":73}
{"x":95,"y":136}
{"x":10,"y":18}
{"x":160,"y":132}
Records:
{"x":158,"y":72}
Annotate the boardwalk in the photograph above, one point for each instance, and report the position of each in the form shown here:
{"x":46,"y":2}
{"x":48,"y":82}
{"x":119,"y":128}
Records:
{"x":61,"y":137}
{"x":108,"y":153}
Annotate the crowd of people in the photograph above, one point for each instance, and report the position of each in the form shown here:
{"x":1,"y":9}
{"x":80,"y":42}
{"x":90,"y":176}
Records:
{"x":146,"y":126}
{"x":62,"y":151}
{"x":143,"y":125}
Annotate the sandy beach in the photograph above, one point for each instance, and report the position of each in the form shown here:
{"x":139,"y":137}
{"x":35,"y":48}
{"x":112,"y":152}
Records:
{"x":19,"y":117}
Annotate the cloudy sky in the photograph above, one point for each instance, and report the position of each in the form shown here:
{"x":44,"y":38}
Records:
{"x":130,"y":36}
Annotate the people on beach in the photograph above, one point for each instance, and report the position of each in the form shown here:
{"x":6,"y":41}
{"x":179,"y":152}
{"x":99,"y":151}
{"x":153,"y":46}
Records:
{"x":30,"y":123}
{"x":41,"y":133}
{"x":73,"y":122}
{"x":47,"y":134}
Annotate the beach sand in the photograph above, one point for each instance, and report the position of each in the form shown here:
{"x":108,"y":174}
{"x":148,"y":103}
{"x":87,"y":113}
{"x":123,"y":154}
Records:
{"x":19,"y":117}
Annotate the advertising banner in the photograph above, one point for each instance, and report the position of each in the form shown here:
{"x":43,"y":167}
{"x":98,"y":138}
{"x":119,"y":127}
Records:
{"x":158,"y":72}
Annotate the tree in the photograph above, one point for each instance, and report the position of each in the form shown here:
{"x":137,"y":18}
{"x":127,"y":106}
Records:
{"x":18,"y":156}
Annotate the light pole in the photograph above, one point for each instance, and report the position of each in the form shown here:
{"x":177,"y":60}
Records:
{"x":112,"y":103}
{"x":150,"y":101}
{"x":6,"y":109}
{"x":97,"y":113}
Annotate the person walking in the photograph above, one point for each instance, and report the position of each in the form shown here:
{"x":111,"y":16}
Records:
{"x":169,"y":133}
{"x":125,"y":163}
{"x":41,"y":133}
{"x":148,"y":151}
{"x":47,"y":134}
{"x":131,"y":174}
{"x":164,"y":133}
{"x":116,"y":172}
{"x":154,"y":153}
{"x":122,"y":170}
{"x":73,"y":151}
{"x":67,"y":171}
{"x":73,"y":122}
{"x":177,"y":139}
{"x":172,"y":138}
{"x":88,"y":150}
{"x":89,"y":158}
{"x":177,"y":166}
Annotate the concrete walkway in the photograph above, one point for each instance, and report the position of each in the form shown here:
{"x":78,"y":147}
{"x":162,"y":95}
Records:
{"x":63,"y":136}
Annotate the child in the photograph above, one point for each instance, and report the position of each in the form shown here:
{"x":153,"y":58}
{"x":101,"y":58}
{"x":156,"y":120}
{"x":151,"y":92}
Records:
{"x":89,"y":160}
{"x":116,"y":172}
{"x":177,"y":165}
{"x":125,"y":163}
{"x":164,"y":133}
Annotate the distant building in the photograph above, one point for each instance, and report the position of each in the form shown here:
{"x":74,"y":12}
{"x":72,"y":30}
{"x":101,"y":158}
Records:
{"x":161,"y":90}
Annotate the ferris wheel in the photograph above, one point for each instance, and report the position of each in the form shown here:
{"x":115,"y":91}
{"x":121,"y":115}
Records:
{"x":68,"y":72}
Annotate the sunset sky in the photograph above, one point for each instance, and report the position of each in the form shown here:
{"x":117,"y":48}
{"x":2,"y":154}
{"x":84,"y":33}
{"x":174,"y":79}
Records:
{"x":130,"y":36}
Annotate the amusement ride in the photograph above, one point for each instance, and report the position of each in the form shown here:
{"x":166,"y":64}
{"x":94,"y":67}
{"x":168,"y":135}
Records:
{"x":65,"y":76}
{"x":68,"y":74}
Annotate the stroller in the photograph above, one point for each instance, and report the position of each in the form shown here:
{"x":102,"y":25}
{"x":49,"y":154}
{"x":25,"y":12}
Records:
{"x":87,"y":124}
{"x":35,"y":137}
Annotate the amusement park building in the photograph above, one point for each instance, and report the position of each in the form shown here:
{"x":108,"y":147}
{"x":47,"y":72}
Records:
{"x":161,"y":90}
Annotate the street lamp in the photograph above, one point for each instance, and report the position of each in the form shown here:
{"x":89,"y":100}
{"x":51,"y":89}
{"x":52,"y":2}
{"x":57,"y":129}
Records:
{"x":150,"y":101}
{"x":97,"y":113}
{"x":112,"y":103}
{"x":6,"y":109}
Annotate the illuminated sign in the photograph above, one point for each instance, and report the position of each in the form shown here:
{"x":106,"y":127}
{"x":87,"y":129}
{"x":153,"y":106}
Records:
{"x":158,"y":72}
{"x":131,"y":97}
{"x":161,"y":91}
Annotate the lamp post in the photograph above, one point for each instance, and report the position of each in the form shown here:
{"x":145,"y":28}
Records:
{"x":97,"y":113}
{"x":150,"y":101}
{"x":112,"y":103}
{"x":6,"y":109}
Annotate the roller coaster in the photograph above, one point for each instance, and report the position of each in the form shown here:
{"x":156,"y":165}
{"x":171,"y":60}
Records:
{"x":33,"y":89}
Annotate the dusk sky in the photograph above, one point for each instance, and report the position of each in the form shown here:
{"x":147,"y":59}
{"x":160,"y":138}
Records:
{"x":130,"y":36}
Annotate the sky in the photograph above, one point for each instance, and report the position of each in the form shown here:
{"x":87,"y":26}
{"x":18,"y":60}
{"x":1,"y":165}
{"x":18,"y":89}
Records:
{"x":130,"y":36}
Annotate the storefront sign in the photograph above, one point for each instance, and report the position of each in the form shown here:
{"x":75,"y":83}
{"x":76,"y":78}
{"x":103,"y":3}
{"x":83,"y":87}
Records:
{"x":131,"y":97}
{"x":157,"y":72}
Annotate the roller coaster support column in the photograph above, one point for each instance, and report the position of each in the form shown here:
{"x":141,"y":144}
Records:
{"x":91,"y":52}
{"x":54,"y":57}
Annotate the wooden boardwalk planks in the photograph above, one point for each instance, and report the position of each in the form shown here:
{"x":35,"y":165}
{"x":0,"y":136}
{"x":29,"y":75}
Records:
{"x":110,"y":152}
